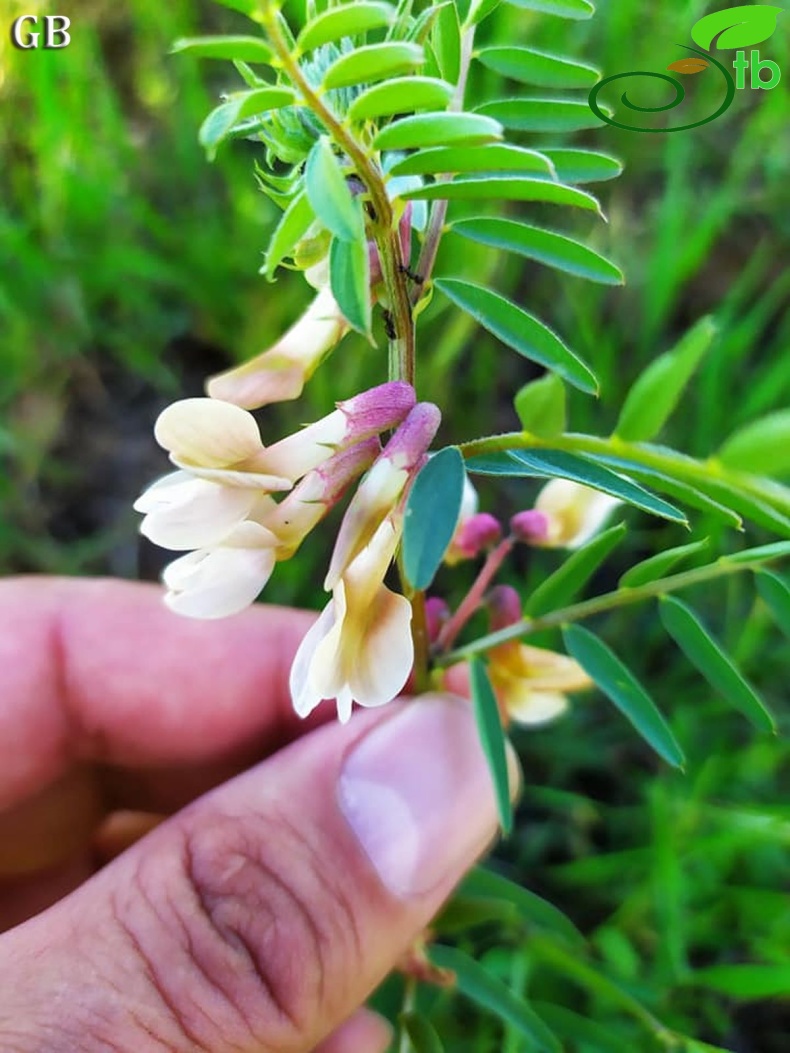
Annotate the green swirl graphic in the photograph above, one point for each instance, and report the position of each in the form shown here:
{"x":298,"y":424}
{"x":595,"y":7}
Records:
{"x":680,"y":94}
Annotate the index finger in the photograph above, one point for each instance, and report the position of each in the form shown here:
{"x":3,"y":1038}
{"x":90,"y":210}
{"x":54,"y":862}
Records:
{"x":102,"y":670}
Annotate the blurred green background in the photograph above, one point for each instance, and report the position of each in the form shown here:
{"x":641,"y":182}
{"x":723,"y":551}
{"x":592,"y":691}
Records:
{"x":128,"y":271}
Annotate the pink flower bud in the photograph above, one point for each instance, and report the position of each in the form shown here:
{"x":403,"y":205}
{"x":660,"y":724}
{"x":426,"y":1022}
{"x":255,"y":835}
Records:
{"x":476,"y":533}
{"x":504,"y":607}
{"x":381,"y":489}
{"x":437,"y":613}
{"x":295,"y":516}
{"x":531,"y":527}
{"x":355,"y":420}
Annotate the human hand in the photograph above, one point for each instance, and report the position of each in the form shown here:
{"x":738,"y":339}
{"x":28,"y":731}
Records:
{"x":263,"y":912}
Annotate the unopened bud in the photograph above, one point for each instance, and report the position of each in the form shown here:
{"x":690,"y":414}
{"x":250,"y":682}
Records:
{"x":437,"y":614}
{"x":474,"y":535}
{"x":504,"y":607}
{"x":531,"y":527}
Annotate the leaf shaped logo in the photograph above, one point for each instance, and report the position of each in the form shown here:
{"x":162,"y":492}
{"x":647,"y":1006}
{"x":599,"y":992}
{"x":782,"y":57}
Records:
{"x":689,"y":65}
{"x":740,"y":27}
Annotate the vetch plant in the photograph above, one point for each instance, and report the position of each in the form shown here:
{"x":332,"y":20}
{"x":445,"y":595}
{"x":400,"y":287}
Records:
{"x":367,"y":138}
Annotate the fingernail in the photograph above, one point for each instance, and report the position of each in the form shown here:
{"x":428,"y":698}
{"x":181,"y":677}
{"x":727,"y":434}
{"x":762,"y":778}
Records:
{"x":417,"y":792}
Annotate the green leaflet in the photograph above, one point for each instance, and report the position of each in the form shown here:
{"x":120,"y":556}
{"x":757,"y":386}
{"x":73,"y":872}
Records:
{"x":293,"y":224}
{"x":762,"y":447}
{"x":776,"y":550}
{"x":478,"y":985}
{"x":373,"y":62}
{"x":412,"y":93}
{"x":583,"y":166}
{"x":432,"y":510}
{"x":709,"y":658}
{"x":548,"y":247}
{"x":446,"y":41}
{"x":658,"y":566}
{"x":587,"y":1033}
{"x":568,"y":580}
{"x":436,"y":129}
{"x":575,"y":9}
{"x":542,"y":115}
{"x":493,"y":157}
{"x":658,"y":390}
{"x":492,"y":739}
{"x":531,"y":908}
{"x":558,"y":464}
{"x":622,"y":688}
{"x":503,"y":188}
{"x":347,"y":21}
{"x":775,"y":593}
{"x":349,"y":278}
{"x":238,"y":106}
{"x":540,"y":406}
{"x":235,"y":48}
{"x":519,"y":330}
{"x":537,"y":67}
{"x":329,"y":195}
{"x":247,"y":7}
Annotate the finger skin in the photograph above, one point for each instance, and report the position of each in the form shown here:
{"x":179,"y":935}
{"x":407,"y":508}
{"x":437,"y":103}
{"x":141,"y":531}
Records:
{"x":253,"y":920}
{"x":102,"y":671}
{"x":364,"y":1032}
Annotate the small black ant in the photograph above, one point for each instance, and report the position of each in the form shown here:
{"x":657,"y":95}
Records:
{"x":418,"y":279}
{"x":389,"y":325}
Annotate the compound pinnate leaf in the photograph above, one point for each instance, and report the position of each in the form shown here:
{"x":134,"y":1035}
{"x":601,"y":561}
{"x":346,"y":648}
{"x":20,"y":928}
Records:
{"x":622,"y":688}
{"x":736,"y":27}
{"x":492,"y":739}
{"x":707,"y":655}
{"x":568,"y":580}
{"x":432,"y":511}
{"x":688,"y":65}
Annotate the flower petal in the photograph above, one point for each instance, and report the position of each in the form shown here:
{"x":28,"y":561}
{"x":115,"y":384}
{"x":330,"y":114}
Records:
{"x":207,"y":433}
{"x":534,"y":707}
{"x":303,"y":694}
{"x":575,"y":512}
{"x":183,"y":512}
{"x":386,"y":652}
{"x":213,"y":583}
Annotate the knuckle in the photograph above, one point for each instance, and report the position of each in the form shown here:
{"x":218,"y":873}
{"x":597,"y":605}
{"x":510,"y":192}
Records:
{"x":252,"y":927}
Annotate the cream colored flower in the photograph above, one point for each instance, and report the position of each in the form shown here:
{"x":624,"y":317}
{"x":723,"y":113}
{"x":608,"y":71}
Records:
{"x":222,"y":579}
{"x":531,"y":683}
{"x":280,"y":372}
{"x":574,"y":513}
{"x":360,"y":649}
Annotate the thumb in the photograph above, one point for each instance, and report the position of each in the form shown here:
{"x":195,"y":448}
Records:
{"x":261,"y":916}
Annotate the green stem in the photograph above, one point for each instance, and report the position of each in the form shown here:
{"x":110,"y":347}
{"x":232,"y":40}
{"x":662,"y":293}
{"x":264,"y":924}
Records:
{"x":384,"y":230}
{"x":409,"y":1004}
{"x":607,"y":602}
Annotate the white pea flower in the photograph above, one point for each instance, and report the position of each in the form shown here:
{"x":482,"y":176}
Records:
{"x":573,"y":513}
{"x":360,"y":649}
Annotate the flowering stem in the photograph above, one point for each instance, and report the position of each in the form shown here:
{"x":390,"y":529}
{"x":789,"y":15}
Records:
{"x":474,"y":597}
{"x":610,"y":601}
{"x":386,"y":238}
